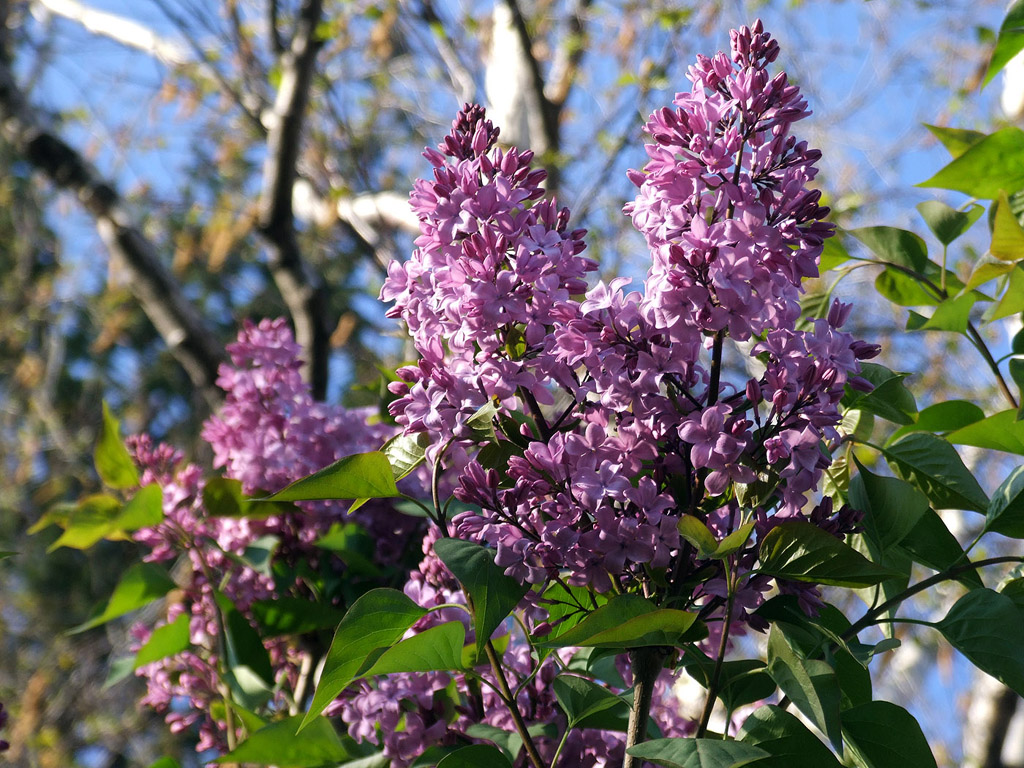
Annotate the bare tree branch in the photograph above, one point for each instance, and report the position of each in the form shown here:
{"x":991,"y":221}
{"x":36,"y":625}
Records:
{"x":991,"y":709}
{"x":303,"y":291}
{"x":461,"y":78}
{"x":570,"y":53}
{"x":542,"y":110}
{"x":121,"y":29}
{"x":159,"y":294}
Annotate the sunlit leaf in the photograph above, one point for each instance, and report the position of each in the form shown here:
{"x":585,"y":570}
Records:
{"x":141,"y":584}
{"x":801,"y":551}
{"x":984,"y":169}
{"x":113,"y":462}
{"x":361,"y":476}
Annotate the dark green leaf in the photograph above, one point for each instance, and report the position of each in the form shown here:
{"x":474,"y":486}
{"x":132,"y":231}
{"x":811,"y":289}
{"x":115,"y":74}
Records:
{"x":223,"y":497}
{"x":931,"y":544}
{"x":168,"y":640}
{"x":786,"y":739}
{"x":587,"y":704}
{"x":812,"y":685}
{"x":987,"y":628}
{"x":493,"y":594}
{"x":889,"y":398}
{"x":436,"y":649}
{"x":376,"y":620}
{"x":1014,"y":589}
{"x":352,"y":545}
{"x":936,"y":469}
{"x":892,"y":507}
{"x":361,"y":476}
{"x":956,"y":140}
{"x":1006,"y":511}
{"x":895,"y":246}
{"x":999,"y":432}
{"x":942,"y":417}
{"x":740,"y":682}
{"x":698,"y":534}
{"x":113,"y":462}
{"x":1009,"y":43}
{"x":250,"y":675}
{"x":141,"y":584}
{"x":475,"y":756}
{"x":948,"y":223}
{"x":987,"y":167}
{"x":627,"y":621}
{"x":294,"y":616}
{"x":278,"y":744}
{"x":801,"y":551}
{"x":884,"y":735}
{"x":697,"y":753}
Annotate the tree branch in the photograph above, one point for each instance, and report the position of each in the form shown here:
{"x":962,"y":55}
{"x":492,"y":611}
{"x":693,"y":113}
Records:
{"x":187,"y":336}
{"x":543,"y":112}
{"x":570,"y":53}
{"x":303,"y":291}
{"x":120,"y":29}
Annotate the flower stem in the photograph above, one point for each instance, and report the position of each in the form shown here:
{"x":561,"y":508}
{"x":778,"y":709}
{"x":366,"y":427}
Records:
{"x":646,"y":664}
{"x":531,"y":749}
{"x":716,"y":674}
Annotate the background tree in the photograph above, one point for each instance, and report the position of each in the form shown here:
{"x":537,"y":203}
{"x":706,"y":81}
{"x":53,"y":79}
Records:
{"x":210,"y":162}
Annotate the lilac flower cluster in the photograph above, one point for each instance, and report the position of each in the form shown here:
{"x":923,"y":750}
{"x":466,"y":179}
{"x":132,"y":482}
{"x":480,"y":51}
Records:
{"x":268,"y":433}
{"x":616,"y":410}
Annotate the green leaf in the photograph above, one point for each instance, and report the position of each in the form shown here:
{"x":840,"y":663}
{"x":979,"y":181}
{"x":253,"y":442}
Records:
{"x":378,"y":619}
{"x":627,"y":621}
{"x":1005,"y":513}
{"x":1007,"y":235}
{"x":1009,"y":43}
{"x":493,"y":594}
{"x":166,"y":762}
{"x":698,"y":534}
{"x":352,"y":545}
{"x":987,"y":627}
{"x":141,"y":584}
{"x":801,"y":551}
{"x":735,"y":541}
{"x":931,"y":544}
{"x":101,"y":516}
{"x":436,"y":649}
{"x":936,"y":469}
{"x":833,"y":254}
{"x":168,"y":640}
{"x":786,"y":739}
{"x":223,"y":497}
{"x":250,"y":675}
{"x":987,"y":167}
{"x":946,"y":222}
{"x":587,"y":704}
{"x":904,"y":290}
{"x":956,"y":140}
{"x":740,"y":682}
{"x":405,"y":453}
{"x":895,"y":246}
{"x":1012,"y":300}
{"x":942,"y":417}
{"x":950,"y":315}
{"x":293,"y":616}
{"x":697,"y":753}
{"x":278,"y":744}
{"x":884,"y":735}
{"x":999,"y":432}
{"x":113,"y":462}
{"x":987,"y":268}
{"x":892,"y":507}
{"x":475,"y":756}
{"x":363,"y":475}
{"x":889,"y":398}
{"x":812,"y":684}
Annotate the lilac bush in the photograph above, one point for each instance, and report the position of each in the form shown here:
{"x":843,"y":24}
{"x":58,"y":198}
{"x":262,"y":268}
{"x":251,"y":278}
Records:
{"x":580,"y":491}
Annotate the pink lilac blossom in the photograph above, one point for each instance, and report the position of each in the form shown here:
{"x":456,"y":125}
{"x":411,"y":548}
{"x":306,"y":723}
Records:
{"x":626,"y":417}
{"x":268,"y":433}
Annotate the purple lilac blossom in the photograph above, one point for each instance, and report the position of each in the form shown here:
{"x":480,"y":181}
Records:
{"x":268,"y":433}
{"x":621,"y":395}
